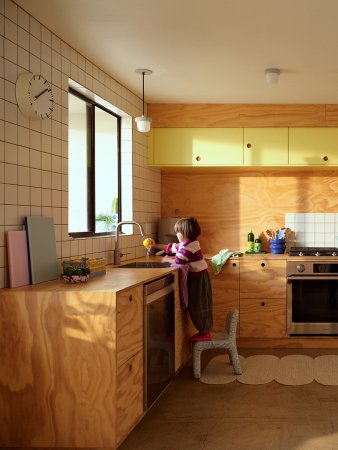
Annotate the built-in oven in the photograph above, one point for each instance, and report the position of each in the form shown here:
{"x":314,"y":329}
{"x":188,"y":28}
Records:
{"x":159,"y":337}
{"x":312,"y":292}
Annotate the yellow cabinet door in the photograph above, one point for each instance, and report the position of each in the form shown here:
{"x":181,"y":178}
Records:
{"x":196,"y":146}
{"x":313,"y":146}
{"x":266,"y":147}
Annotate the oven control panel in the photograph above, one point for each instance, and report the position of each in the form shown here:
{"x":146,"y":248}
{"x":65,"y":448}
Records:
{"x":325,"y":267}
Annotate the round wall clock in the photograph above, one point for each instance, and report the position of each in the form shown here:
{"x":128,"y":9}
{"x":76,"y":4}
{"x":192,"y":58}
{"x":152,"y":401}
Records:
{"x":34,"y":96}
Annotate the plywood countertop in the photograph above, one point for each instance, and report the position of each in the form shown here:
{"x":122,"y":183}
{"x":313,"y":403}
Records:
{"x":115,"y":280}
{"x":255,"y":256}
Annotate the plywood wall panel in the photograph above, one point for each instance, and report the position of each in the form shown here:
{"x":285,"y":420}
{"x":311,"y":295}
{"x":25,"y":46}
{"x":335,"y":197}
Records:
{"x":228,"y":205}
{"x":241,"y":115}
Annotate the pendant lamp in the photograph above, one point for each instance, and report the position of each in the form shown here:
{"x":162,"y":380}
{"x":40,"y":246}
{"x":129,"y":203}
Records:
{"x":143,"y":123}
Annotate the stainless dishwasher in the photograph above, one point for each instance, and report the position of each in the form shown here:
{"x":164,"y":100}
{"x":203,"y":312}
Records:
{"x":159,"y":336}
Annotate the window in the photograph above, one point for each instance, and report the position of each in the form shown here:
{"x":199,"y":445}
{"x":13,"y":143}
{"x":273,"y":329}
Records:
{"x":94,"y":165}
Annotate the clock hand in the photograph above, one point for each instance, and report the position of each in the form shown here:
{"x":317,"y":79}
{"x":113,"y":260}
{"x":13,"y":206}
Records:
{"x":37,"y":96}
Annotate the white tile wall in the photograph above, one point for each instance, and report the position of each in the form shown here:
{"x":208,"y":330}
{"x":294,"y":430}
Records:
{"x":33,"y":154}
{"x":313,"y":229}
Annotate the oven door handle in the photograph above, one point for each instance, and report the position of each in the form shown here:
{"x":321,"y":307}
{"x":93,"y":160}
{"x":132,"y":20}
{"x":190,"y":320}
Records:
{"x":317,"y":277}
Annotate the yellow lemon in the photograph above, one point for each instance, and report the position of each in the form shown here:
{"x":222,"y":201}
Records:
{"x":147,"y":242}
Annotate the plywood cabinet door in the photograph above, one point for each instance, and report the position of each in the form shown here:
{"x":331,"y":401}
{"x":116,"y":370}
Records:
{"x":262,"y":298}
{"x":129,"y":395}
{"x":313,"y":146}
{"x":196,"y":146}
{"x":129,"y":323}
{"x":266,"y":146}
{"x":263,"y":278}
{"x":225,"y":292}
{"x":263,"y":318}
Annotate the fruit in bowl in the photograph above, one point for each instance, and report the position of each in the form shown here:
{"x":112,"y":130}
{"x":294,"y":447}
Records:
{"x":75,"y":275}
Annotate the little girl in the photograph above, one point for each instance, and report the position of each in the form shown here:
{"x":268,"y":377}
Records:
{"x":188,"y":251}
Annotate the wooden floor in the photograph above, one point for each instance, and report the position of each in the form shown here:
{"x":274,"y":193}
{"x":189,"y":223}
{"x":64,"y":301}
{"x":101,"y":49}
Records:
{"x":191,"y":415}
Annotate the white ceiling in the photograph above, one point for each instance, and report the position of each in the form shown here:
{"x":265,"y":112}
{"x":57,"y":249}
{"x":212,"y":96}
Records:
{"x":205,"y":51}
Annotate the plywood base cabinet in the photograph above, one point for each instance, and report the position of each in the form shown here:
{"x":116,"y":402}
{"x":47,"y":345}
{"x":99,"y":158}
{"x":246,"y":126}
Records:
{"x":262,"y":298}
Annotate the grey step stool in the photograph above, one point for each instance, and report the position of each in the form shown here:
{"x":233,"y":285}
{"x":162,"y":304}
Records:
{"x":225,"y":339}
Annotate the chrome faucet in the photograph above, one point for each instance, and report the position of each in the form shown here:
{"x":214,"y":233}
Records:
{"x":117,"y":253}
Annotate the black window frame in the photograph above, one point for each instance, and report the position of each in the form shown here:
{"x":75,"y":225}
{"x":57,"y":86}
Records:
{"x":90,"y":106}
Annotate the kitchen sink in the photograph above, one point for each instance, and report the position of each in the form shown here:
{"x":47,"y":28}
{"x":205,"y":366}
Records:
{"x":145,"y":265}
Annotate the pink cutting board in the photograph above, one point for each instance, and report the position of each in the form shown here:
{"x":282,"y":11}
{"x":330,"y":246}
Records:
{"x":18,"y":265}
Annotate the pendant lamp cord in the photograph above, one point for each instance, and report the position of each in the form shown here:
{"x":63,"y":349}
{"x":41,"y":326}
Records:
{"x":142,"y":93}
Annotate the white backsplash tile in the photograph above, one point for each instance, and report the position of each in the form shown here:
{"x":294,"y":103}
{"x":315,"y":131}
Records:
{"x":313,"y":229}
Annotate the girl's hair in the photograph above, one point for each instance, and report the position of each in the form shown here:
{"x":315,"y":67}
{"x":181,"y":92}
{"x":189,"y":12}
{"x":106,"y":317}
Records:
{"x":188,"y":227}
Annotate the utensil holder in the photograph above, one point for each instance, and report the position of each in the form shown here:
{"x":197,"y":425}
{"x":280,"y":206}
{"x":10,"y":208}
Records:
{"x":277,"y":246}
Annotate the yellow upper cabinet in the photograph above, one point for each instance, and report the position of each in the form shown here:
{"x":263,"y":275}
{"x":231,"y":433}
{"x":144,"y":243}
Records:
{"x":196,"y":146}
{"x":266,"y":146}
{"x":313,"y":146}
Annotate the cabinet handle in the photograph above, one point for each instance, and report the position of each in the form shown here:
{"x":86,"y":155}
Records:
{"x":263,"y":304}
{"x":326,"y":158}
{"x":198,"y":158}
{"x":263,"y":264}
{"x":130,"y":367}
{"x":233,"y":264}
{"x":248,"y":145}
{"x":130,"y":298}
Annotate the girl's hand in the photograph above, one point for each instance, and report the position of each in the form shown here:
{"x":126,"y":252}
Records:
{"x":170,"y":259}
{"x":158,"y":246}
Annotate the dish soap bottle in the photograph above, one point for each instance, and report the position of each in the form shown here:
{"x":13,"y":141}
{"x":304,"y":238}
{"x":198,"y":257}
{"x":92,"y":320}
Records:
{"x":257,"y":246}
{"x":251,"y":242}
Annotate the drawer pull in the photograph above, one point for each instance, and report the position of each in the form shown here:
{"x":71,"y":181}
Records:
{"x":130,"y":367}
{"x":263,"y":264}
{"x":263,"y":304}
{"x":234,"y":264}
{"x":326,"y":158}
{"x":198,"y":158}
{"x":130,"y":298}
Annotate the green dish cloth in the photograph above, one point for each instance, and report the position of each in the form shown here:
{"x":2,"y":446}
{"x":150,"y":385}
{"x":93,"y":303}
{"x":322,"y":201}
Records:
{"x":218,"y":261}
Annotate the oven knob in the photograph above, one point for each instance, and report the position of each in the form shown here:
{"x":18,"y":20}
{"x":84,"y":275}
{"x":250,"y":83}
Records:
{"x":317,"y":254}
{"x":300,"y":254}
{"x":300,"y":267}
{"x":334,"y":254}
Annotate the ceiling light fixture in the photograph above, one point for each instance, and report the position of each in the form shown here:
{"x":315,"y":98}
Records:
{"x":143,"y":123}
{"x":272,"y":75}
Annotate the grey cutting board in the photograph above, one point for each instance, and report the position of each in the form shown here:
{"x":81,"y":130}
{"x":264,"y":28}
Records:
{"x":41,"y":249}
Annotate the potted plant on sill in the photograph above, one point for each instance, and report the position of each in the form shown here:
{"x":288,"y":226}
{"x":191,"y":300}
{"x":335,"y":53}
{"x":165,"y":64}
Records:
{"x":104,"y":222}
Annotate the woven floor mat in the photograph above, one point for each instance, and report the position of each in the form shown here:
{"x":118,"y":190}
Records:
{"x":291,"y":370}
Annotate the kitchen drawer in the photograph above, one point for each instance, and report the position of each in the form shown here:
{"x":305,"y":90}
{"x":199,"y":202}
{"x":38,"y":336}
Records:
{"x":262,"y":318}
{"x":129,"y":323}
{"x":129,"y":395}
{"x":263,"y":278}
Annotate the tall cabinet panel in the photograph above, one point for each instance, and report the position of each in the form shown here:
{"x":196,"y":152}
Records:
{"x":225,"y":292}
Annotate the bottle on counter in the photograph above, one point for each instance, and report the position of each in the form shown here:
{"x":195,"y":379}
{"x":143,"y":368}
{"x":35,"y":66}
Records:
{"x":251,"y":242}
{"x":257,"y":246}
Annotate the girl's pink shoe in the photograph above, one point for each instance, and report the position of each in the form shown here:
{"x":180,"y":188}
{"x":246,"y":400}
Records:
{"x":201,"y":337}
